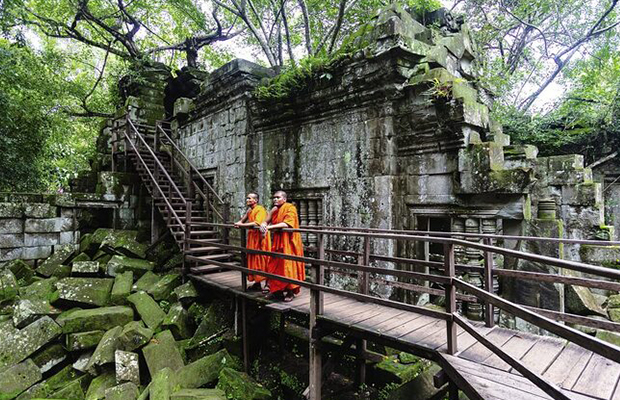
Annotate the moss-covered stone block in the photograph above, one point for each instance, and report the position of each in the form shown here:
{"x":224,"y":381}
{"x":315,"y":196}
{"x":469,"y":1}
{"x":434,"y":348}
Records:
{"x":124,"y":391}
{"x":199,"y":394}
{"x":161,"y":353}
{"x":61,"y":255}
{"x":83,"y":340}
{"x":119,"y":264}
{"x":21,"y":270}
{"x":391,"y":370}
{"x":40,"y":290}
{"x":49,"y":357}
{"x":54,"y":383}
{"x":206,"y":370}
{"x":134,"y":336}
{"x":162,"y":385}
{"x":614,"y":314}
{"x":240,"y":386}
{"x":186,"y":293}
{"x":122,"y":288}
{"x":127,"y":367}
{"x":104,"y":353}
{"x":98,"y":386}
{"x":18,"y":378}
{"x":608,"y":336}
{"x":164,"y":287}
{"x":177,"y":321}
{"x":216,"y":318}
{"x":80,"y":257}
{"x":8,"y":286}
{"x":27,"y":311}
{"x":146,"y":281}
{"x":85,"y":268}
{"x":73,"y":390}
{"x":85,"y":291}
{"x":102,"y":318}
{"x":148,"y":309}
{"x":17,"y":345}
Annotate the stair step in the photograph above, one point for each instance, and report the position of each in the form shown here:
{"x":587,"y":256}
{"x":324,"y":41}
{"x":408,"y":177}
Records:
{"x":208,"y":257}
{"x":202,"y":249}
{"x":206,"y":269}
{"x":197,"y":233}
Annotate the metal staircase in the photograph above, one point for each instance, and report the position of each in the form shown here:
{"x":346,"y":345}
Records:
{"x":188,"y":204}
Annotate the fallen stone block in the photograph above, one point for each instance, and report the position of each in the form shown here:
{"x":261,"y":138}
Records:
{"x":95,"y":319}
{"x":240,"y":386}
{"x":85,"y":268}
{"x":21,"y":270}
{"x":121,"y":288}
{"x":185,"y":293}
{"x":162,"y":384}
{"x":49,"y":357}
{"x":164,"y":287}
{"x":18,"y":378}
{"x":119,"y":264}
{"x":199,"y":394}
{"x":83,"y":340}
{"x":148,"y":309}
{"x":134,"y":336}
{"x":146,"y":281}
{"x":80,"y":258}
{"x":43,"y":390}
{"x":205,"y":371}
{"x":86,"y":291}
{"x":40,"y":290}
{"x":87,"y":246}
{"x":126,"y":244}
{"x":125,"y":391}
{"x":98,"y":386}
{"x":73,"y":390}
{"x":127,"y":367}
{"x":8,"y":286}
{"x":392,"y":370}
{"x":579,"y":300}
{"x":104,"y":353}
{"x":20,"y":344}
{"x":61,"y":255}
{"x":216,"y":318}
{"x":162,"y":353}
{"x":82,"y":361}
{"x":27,"y":311}
{"x":177,"y":321}
{"x":420,"y":388}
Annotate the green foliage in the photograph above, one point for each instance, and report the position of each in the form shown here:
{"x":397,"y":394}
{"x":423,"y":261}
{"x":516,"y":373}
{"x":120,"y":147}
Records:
{"x":42,"y":146}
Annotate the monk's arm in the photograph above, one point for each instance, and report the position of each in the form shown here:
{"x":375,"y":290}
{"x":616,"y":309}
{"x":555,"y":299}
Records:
{"x":265,"y":223}
{"x":242,"y":220}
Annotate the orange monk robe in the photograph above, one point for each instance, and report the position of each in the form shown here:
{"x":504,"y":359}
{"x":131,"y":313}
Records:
{"x":257,"y":241}
{"x":287,"y":243}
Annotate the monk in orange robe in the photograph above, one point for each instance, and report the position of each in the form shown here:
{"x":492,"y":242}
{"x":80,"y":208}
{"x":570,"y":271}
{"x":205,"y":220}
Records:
{"x":284,"y":215}
{"x":254,"y":217}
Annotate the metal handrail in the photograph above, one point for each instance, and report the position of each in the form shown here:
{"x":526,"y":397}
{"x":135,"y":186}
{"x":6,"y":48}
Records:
{"x":170,"y":180}
{"x":168,"y":205}
{"x":191,"y":165}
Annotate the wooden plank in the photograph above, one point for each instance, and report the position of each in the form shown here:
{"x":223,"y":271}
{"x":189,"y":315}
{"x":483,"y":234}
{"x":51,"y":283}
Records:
{"x":418,"y":336}
{"x":464,"y":339}
{"x":401,"y":320}
{"x":363,"y":316}
{"x":599,"y":378}
{"x":478,"y":352}
{"x":542,"y":354}
{"x":566,"y":368}
{"x":616,"y":395}
{"x":516,"y":347}
{"x":496,"y":377}
{"x":377,"y":320}
{"x":410,"y":326}
{"x":335,"y":308}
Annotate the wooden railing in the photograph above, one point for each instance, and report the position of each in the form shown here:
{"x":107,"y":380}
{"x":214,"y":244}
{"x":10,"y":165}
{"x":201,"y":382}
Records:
{"x":544,"y":319}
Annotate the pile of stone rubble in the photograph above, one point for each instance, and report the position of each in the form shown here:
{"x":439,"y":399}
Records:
{"x":104,"y":322}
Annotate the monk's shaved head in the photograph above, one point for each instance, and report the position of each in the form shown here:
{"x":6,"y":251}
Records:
{"x":253,"y":195}
{"x":281,"y":193}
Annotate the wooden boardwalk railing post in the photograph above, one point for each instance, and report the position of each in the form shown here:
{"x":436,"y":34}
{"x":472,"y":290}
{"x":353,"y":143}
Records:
{"x":316,"y":309}
{"x":225,"y":216}
{"x":364,"y":281}
{"x":244,"y":258}
{"x":488,"y":284}
{"x":449,"y":268}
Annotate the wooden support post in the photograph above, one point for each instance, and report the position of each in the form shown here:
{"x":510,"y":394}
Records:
{"x":488,"y":284}
{"x":449,"y":269}
{"x":225,"y":216}
{"x":245,"y":335}
{"x":316,"y":309}
{"x":244,"y":258}
{"x":453,"y":391}
{"x":188,"y":226}
{"x":361,"y":344}
{"x":153,"y":221}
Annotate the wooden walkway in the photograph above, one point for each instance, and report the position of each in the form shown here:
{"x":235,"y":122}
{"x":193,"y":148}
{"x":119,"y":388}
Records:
{"x":475,"y":369}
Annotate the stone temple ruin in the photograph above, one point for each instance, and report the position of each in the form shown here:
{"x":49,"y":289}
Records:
{"x":393,"y":133}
